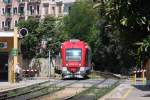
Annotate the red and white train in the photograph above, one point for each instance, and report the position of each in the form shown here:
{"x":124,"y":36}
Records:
{"x":76,"y":59}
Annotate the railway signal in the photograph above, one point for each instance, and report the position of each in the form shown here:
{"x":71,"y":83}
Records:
{"x":23,"y":32}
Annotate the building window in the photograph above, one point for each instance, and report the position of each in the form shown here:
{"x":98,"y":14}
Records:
{"x":38,"y":9}
{"x":46,"y":10}
{"x":3,"y":24}
{"x":3,"y":11}
{"x":53,"y":10}
{"x":31,"y":10}
{"x":9,"y":24}
{"x":8,"y":11}
{"x":69,"y":9}
{"x":15,"y":10}
{"x":16,"y":22}
{"x":59,"y":9}
{"x":21,"y":10}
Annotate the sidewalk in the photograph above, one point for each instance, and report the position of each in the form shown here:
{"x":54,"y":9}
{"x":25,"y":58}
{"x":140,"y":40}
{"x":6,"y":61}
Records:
{"x":127,"y":91}
{"x":5,"y":86}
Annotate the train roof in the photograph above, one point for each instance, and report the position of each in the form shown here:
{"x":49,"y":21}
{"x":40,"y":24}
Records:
{"x":74,"y":43}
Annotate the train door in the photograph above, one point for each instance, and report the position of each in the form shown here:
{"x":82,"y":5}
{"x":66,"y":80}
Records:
{"x":3,"y":66}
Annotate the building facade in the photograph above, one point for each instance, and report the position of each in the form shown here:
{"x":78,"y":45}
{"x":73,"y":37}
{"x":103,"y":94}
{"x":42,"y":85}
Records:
{"x":12,"y":11}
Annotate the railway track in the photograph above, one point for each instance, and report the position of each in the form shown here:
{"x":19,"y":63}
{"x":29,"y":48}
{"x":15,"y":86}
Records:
{"x":76,"y":92}
{"x":73,"y":96}
{"x":62,"y":89}
{"x":6,"y":94}
{"x":97,"y":90}
{"x":83,"y":93}
{"x":34,"y":91}
{"x":71,"y":90}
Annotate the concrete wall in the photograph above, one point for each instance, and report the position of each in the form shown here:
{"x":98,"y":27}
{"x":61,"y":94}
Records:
{"x":41,"y":65}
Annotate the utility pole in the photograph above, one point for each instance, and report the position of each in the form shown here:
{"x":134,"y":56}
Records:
{"x":15,"y":51}
{"x":49,"y":65}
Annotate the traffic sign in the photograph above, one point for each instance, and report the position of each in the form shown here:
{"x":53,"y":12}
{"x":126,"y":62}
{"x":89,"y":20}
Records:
{"x":14,"y":52}
{"x":3,"y":45}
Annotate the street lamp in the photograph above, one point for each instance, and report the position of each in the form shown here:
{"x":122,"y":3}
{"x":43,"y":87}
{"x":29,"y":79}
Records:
{"x":44,"y":43}
{"x":44,"y":46}
{"x":49,"y":59}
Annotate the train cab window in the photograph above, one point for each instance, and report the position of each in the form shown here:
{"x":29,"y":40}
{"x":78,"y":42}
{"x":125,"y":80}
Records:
{"x":73,"y":54}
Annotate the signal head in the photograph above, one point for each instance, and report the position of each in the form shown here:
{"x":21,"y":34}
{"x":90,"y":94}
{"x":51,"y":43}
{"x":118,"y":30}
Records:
{"x":23,"y":32}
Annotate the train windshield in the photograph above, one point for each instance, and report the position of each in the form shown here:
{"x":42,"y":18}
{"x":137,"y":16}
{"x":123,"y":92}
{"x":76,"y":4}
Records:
{"x":73,"y":54}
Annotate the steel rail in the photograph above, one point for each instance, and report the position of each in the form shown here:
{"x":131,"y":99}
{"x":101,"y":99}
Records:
{"x":29,"y":94}
{"x":106,"y":75}
{"x":29,"y":89}
{"x":70,"y":97}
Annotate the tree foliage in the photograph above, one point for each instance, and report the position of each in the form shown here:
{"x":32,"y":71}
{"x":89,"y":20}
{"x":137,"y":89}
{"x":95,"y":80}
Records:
{"x":129,"y":23}
{"x":81,"y":21}
{"x":47,"y":30}
{"x":111,"y":27}
{"x":29,"y":43}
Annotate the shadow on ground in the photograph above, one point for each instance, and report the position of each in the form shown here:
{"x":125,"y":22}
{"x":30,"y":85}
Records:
{"x":143,"y":87}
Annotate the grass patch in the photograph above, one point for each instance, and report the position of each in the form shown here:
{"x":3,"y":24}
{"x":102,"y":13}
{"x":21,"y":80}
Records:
{"x":103,"y":91}
{"x":95,"y":93}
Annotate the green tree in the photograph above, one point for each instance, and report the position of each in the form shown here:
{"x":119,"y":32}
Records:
{"x":80,"y":23}
{"x":29,"y":43}
{"x":129,"y":23}
{"x":49,"y":29}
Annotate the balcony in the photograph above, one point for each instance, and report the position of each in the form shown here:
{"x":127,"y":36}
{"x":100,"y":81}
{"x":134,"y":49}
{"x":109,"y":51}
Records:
{"x":34,"y":1}
{"x":8,"y":2}
{"x":45,"y":1}
{"x":38,"y":16}
{"x":34,"y":15}
{"x":59,"y":2}
{"x":69,"y":1}
{"x":21,"y":2}
{"x":22,"y":15}
{"x":60,"y":15}
{"x":8,"y":15}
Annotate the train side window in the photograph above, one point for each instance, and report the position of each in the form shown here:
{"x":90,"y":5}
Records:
{"x":88,"y":57}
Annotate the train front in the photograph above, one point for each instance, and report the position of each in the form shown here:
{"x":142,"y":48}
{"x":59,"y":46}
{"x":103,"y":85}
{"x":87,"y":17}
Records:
{"x":75,"y":59}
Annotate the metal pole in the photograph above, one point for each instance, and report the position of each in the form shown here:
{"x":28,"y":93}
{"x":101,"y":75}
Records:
{"x":143,"y":77}
{"x":49,"y":65}
{"x":135,"y":78}
{"x":15,"y":56}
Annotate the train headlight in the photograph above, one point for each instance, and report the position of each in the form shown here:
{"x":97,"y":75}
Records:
{"x":66,"y":64}
{"x":79,"y":64}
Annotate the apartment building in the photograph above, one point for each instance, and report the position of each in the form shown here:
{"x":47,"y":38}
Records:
{"x":12,"y":11}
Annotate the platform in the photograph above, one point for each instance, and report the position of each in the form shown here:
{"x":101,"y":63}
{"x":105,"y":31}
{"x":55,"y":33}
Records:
{"x":129,"y":91}
{"x":5,"y":86}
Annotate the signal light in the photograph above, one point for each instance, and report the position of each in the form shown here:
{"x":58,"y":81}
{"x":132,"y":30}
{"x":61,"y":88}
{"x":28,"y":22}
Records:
{"x":23,"y":32}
